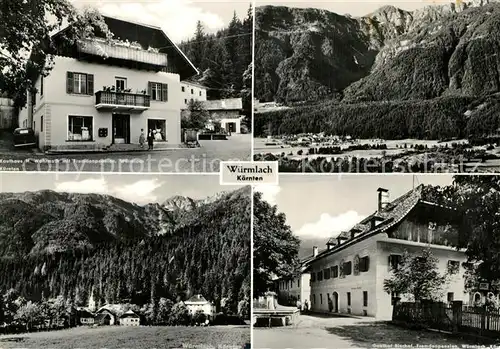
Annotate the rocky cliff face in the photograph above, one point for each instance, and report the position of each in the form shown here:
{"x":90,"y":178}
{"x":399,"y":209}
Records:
{"x":457,"y":54}
{"x":309,"y":54}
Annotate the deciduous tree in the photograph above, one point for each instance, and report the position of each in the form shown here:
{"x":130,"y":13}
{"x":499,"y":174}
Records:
{"x":26,"y":45}
{"x":196,"y":117}
{"x":417,"y":275}
{"x":275,"y":247}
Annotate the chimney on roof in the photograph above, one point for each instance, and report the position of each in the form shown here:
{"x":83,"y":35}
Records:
{"x":315,"y":251}
{"x":383,"y":198}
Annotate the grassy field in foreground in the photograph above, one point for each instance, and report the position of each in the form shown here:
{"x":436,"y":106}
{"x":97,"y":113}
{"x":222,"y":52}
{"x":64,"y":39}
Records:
{"x":116,"y":337}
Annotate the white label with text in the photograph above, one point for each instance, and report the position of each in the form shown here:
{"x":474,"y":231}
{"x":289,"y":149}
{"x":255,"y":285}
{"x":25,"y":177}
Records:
{"x":248,"y":173}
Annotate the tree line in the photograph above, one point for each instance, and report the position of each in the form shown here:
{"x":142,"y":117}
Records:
{"x":208,"y":254}
{"x":22,"y":315}
{"x":428,"y":119}
{"x":224,"y":58}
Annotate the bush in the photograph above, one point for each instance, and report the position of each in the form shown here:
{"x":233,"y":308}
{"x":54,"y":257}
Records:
{"x":199,"y":317}
{"x":224,"y":320}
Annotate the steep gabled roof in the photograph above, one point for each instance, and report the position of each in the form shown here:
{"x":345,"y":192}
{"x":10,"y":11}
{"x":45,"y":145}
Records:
{"x":224,"y":104}
{"x":105,"y":309}
{"x":149,"y":36}
{"x":152,"y":36}
{"x":83,"y":313}
{"x":129,"y":314}
{"x":393,"y":213}
{"x":197,"y":299}
{"x":193,"y":83}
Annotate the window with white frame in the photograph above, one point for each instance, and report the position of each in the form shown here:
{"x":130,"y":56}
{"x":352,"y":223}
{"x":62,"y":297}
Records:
{"x":80,"y":83}
{"x":121,"y":84}
{"x":156,"y":92}
{"x":80,"y":128}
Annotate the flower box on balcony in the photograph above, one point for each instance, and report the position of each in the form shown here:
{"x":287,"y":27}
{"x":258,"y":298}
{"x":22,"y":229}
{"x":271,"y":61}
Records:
{"x":121,"y":101}
{"x":122,"y":51}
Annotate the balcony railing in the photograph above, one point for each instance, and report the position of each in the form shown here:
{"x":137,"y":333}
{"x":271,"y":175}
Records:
{"x":119,"y":51}
{"x":122,"y":101}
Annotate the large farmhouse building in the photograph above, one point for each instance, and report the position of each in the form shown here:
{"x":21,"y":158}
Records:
{"x":348,"y":275}
{"x":102,"y":92}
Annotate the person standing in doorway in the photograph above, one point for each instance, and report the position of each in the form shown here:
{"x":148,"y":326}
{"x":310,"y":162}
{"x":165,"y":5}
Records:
{"x":150,"y":139}
{"x":142,"y":138}
{"x":330,"y":304}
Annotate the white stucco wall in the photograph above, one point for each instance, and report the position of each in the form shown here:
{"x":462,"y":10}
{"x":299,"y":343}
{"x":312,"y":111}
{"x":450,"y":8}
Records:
{"x":198,"y":93}
{"x":387,"y":246}
{"x":129,"y":321}
{"x":56,"y":105}
{"x":207,"y":308}
{"x":378,"y":248}
{"x":355,"y":284}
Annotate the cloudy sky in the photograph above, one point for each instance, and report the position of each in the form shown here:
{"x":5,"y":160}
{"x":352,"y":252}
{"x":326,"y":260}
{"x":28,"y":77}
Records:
{"x":354,"y":8}
{"x":140,"y":189}
{"x":318,"y":207}
{"x":177,"y":17}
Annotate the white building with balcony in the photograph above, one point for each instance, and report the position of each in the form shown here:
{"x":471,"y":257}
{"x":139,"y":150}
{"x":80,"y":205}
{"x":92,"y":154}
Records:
{"x":104,"y":92}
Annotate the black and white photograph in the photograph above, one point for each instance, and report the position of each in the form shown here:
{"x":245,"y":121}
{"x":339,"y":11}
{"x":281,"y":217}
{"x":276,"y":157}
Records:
{"x":377,"y":86}
{"x":376,"y":261}
{"x":122,"y":261}
{"x":125,"y":86}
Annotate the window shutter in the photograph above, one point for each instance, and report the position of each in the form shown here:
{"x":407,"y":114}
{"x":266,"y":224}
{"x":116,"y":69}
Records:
{"x":90,"y":84}
{"x":164,"y":92}
{"x":150,"y":89}
{"x":69,"y":82}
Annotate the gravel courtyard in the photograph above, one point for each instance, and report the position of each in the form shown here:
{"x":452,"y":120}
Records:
{"x":207,"y":158}
{"x":344,"y":332}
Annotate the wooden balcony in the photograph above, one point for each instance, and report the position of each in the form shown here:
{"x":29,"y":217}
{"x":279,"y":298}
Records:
{"x":125,"y":102}
{"x":122,"y":52}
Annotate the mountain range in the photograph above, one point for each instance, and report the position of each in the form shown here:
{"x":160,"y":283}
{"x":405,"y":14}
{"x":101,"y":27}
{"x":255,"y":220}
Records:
{"x":390,"y":54}
{"x":83,"y":245}
{"x":48,"y":221}
{"x":433,"y":73}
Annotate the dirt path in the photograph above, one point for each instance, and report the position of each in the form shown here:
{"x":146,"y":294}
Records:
{"x":342,"y":332}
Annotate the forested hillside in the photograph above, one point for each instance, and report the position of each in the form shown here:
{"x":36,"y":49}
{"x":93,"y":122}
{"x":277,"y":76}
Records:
{"x":139,"y":255}
{"x":224,"y":58}
{"x":437,"y":118}
{"x":371,"y":76}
